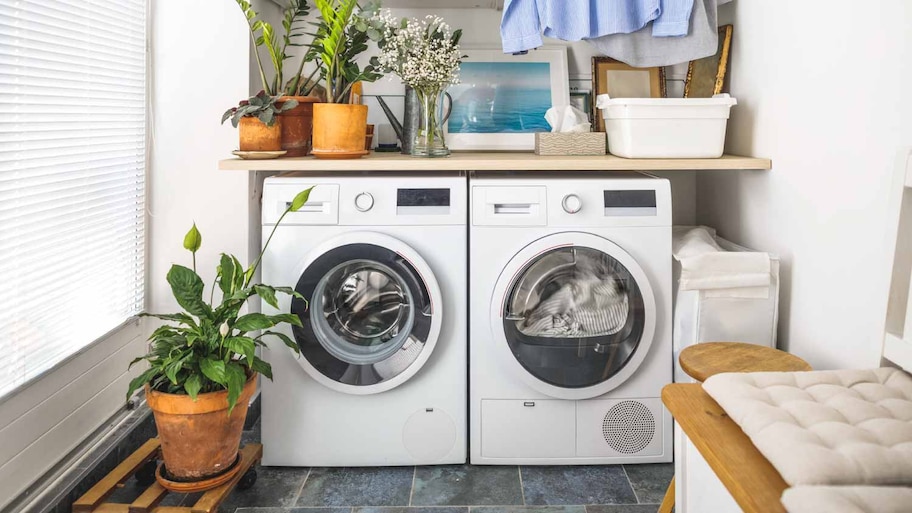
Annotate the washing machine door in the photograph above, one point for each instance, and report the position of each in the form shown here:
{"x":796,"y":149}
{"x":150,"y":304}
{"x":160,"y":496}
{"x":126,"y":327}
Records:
{"x":573,"y":315}
{"x":372,"y":313}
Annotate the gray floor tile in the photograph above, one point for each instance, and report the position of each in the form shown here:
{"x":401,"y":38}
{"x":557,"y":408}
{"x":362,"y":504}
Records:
{"x":275,"y":487}
{"x":418,"y":509}
{"x":260,"y":510}
{"x":316,"y":510}
{"x":465,"y":485}
{"x":650,"y":481}
{"x":624,"y":508}
{"x":556,"y":485}
{"x":529,"y":509}
{"x":363,"y":486}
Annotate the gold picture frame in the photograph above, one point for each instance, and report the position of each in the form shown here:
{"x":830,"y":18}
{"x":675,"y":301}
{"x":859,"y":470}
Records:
{"x":619,"y":80}
{"x":706,"y":76}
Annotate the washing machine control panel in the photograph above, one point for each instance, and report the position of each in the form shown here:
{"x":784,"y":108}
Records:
{"x":364,"y":201}
{"x":571,"y":203}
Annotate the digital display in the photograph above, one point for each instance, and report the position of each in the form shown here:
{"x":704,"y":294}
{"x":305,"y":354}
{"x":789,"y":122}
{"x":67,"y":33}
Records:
{"x":630,"y":199}
{"x":423,"y":198}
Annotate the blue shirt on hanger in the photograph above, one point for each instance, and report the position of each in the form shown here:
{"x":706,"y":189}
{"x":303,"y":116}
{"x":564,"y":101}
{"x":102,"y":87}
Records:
{"x":524,"y":21}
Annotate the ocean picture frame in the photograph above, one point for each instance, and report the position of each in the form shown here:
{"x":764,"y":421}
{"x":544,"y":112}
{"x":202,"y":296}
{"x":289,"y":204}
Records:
{"x":501,"y":99}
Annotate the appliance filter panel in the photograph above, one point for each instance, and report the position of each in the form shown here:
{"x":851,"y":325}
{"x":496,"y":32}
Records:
{"x":629,"y":427}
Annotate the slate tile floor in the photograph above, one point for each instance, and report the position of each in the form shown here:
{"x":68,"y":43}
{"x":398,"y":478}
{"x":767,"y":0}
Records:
{"x":445,"y":489}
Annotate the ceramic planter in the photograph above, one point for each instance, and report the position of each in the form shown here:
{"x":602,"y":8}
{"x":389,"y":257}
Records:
{"x":297,"y":126}
{"x":256,"y":136}
{"x":339,"y":130}
{"x":199,"y":440}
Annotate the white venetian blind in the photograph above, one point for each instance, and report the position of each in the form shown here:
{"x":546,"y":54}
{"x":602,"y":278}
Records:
{"x":72,"y":163}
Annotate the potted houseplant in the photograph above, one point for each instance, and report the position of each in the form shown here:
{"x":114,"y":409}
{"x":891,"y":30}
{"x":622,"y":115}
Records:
{"x":259,"y":121}
{"x":340,"y":126}
{"x":297,"y":123}
{"x":203,"y":365}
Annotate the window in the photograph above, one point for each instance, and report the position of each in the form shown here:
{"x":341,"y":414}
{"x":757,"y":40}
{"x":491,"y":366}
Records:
{"x":72,"y":164}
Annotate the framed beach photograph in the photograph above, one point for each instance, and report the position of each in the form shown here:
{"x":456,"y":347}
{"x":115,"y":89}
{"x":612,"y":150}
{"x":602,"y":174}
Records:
{"x":620,"y":80}
{"x":500,"y":101}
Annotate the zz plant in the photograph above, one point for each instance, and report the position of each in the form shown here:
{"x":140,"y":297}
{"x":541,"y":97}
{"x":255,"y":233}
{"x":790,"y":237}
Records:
{"x":210,"y":347}
{"x":338,"y":43}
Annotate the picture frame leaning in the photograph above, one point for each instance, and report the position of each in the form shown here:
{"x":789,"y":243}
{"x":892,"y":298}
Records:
{"x":501,"y":99}
{"x":620,"y":80}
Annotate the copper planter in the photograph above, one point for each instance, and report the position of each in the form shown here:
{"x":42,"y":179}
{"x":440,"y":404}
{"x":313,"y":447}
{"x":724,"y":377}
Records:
{"x":297,"y":126}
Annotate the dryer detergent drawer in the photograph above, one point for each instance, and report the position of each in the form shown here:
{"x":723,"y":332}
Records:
{"x":528,"y":429}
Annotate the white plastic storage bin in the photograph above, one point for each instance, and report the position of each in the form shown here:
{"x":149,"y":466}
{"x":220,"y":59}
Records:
{"x":643,"y":128}
{"x":703,"y":316}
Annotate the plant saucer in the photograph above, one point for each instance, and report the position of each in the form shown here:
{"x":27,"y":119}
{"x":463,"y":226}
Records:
{"x":259,"y":155}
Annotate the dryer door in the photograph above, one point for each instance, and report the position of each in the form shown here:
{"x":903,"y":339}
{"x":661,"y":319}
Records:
{"x":573,"y":314}
{"x":372,"y":315}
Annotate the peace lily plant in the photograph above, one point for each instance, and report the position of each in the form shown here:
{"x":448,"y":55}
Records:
{"x":210,"y":347}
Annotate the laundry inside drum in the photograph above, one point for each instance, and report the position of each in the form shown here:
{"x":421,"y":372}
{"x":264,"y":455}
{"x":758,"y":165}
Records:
{"x":572,"y":292}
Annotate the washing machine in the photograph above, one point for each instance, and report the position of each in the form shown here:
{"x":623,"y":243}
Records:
{"x":570,"y":337}
{"x":380,"y":261}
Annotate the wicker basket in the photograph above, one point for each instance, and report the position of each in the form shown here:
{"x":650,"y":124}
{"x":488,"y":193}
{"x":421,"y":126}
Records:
{"x":579,"y":143}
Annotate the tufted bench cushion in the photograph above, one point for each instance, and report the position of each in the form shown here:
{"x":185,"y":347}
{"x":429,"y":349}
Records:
{"x":848,"y":427}
{"x":848,"y":499}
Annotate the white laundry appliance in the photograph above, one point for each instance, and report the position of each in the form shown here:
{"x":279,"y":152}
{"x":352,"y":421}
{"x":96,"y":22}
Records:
{"x":381,"y":379}
{"x":570,"y":338}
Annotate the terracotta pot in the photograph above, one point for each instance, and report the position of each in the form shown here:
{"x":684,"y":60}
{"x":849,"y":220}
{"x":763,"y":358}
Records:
{"x":339,"y":130}
{"x":297,"y":126}
{"x":256,"y":136}
{"x":198,"y":438}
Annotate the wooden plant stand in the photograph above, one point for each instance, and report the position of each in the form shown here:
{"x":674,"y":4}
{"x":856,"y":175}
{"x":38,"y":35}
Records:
{"x":142,"y":465}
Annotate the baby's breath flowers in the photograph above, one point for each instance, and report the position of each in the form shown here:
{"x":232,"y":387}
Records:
{"x":425,"y":54}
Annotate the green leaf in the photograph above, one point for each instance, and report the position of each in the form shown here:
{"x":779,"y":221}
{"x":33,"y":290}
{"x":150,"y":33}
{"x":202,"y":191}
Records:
{"x":193,"y":385}
{"x":187,"y":288}
{"x":236,"y":378}
{"x":261,"y":367}
{"x":268,"y":294}
{"x":300,"y":200}
{"x":290,"y":318}
{"x":242,"y":345}
{"x":193,"y":240}
{"x":226,"y":275}
{"x":139,"y":381}
{"x":284,"y":338}
{"x":253,"y":321}
{"x":214,"y":369}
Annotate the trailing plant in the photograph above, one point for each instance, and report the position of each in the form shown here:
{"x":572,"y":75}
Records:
{"x":339,"y":43}
{"x":262,"y":106}
{"x":209,"y":347}
{"x":262,"y":34}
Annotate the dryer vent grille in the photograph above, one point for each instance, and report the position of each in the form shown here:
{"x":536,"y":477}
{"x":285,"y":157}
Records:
{"x":628,"y":427}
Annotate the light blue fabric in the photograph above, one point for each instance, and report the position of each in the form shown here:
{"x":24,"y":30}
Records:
{"x":524,"y":21}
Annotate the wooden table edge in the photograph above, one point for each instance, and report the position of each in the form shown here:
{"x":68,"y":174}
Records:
{"x":748,"y":476}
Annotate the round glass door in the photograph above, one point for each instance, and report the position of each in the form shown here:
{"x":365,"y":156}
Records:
{"x":577,"y":318}
{"x":369,"y":320}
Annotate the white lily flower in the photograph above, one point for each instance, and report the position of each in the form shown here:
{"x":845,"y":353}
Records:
{"x":224,"y":329}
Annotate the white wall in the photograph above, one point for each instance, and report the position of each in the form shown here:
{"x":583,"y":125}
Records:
{"x":823,"y":90}
{"x":200,"y":69}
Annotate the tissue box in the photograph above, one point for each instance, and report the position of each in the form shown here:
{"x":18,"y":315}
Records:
{"x":570,"y":143}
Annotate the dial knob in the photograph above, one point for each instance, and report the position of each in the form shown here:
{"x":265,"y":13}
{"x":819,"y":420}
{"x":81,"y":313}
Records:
{"x":364,"y":202}
{"x":572,"y":204}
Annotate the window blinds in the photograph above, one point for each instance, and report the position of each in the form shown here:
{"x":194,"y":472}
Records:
{"x":72,"y":163}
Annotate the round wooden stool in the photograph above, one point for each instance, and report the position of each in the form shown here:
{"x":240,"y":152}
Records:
{"x":700,"y":361}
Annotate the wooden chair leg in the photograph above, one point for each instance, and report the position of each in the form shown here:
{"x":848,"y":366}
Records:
{"x":668,"y":503}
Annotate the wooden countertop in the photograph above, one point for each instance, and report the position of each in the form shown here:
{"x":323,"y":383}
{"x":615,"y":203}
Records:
{"x":750,"y":479}
{"x":494,"y":161}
